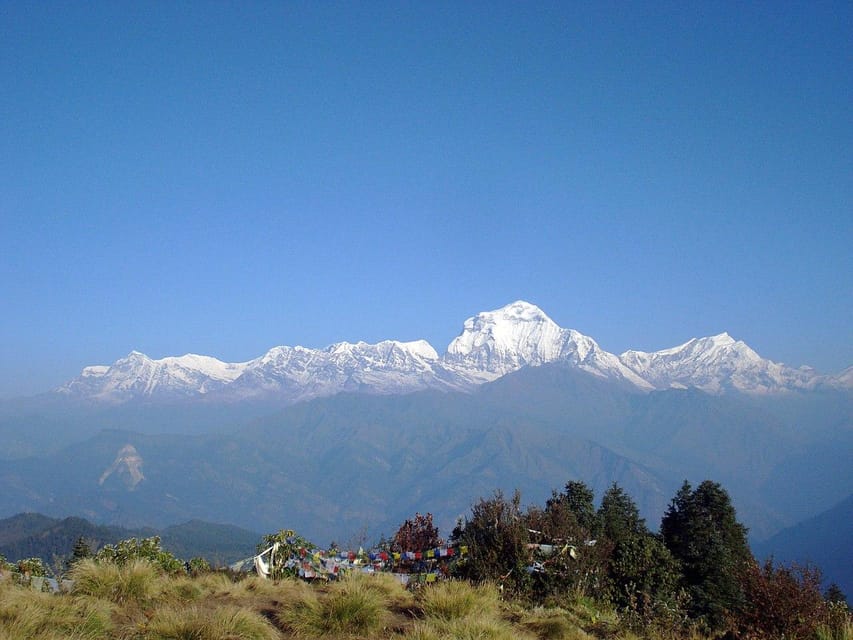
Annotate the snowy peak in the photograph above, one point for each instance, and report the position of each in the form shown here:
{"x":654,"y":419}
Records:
{"x":494,"y":343}
{"x":716,"y":364}
{"x":491,"y":344}
{"x":138,"y":375}
{"x":507,"y":339}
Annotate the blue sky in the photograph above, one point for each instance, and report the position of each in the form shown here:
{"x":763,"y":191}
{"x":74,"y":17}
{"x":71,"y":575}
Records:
{"x":220,"y":178}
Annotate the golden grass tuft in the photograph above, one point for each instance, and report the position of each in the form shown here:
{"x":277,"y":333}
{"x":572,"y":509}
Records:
{"x":453,"y":600}
{"x":840,"y":630}
{"x":26,"y":614}
{"x":350,"y":606}
{"x":136,"y":582}
{"x":552,"y":624}
{"x":198,"y":623}
{"x":467,"y":628}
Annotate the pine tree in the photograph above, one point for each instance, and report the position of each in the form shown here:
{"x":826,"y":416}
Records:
{"x":577,"y":498}
{"x":701,"y":530}
{"x":81,"y":550}
{"x":618,"y":516}
{"x":641,"y":571}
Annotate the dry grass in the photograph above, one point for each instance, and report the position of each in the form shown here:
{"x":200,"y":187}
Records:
{"x":137,"y":602}
{"x":202,"y":623}
{"x":453,"y":600}
{"x":137,"y":582}
{"x":350,"y":606}
{"x":553,"y":624}
{"x":467,"y":628}
{"x":26,"y":614}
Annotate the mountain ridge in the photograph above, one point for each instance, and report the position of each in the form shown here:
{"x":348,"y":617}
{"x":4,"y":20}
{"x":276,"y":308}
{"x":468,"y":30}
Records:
{"x":491,"y":345}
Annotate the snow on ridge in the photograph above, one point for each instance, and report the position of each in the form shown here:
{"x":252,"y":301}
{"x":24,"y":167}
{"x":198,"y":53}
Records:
{"x":490,"y":345}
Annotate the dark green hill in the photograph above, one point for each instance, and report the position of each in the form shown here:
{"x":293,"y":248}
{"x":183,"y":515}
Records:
{"x":34,"y":535}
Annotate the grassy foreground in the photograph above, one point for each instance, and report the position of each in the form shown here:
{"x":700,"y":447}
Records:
{"x":139,"y":602}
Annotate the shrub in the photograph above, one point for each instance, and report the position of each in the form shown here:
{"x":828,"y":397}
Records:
{"x":198,"y":566}
{"x":496,"y":536}
{"x":417,"y":534}
{"x":148,"y":549}
{"x":837,"y":623}
{"x":780,"y":601}
{"x":289,"y":546}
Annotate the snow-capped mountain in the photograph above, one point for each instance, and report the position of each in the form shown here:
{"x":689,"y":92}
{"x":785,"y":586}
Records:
{"x":716,"y":364}
{"x":137,"y":375}
{"x":297,"y":372}
{"x":492,"y":344}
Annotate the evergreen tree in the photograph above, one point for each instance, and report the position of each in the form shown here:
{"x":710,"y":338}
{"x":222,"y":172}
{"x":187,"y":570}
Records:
{"x":618,"y":517}
{"x":577,"y":499}
{"x":833,"y":593}
{"x":701,"y":530}
{"x":81,"y":550}
{"x":641,"y":571}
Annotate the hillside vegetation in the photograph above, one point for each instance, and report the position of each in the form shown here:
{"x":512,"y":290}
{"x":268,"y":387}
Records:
{"x":562,"y":570}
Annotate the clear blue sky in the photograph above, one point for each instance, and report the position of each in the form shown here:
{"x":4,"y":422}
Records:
{"x":220,"y":178}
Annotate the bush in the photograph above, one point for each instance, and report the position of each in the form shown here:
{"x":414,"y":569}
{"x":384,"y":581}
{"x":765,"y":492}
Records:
{"x":148,"y":549}
{"x":837,"y":623}
{"x":496,"y":536}
{"x":417,"y":534}
{"x":781,"y":602}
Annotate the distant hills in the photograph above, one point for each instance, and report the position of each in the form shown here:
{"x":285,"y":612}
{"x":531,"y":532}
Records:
{"x":28,"y":535}
{"x":825,"y":540}
{"x":333,"y":466}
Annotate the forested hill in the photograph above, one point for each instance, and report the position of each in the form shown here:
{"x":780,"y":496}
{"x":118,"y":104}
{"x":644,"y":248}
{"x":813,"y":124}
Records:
{"x":28,"y":535}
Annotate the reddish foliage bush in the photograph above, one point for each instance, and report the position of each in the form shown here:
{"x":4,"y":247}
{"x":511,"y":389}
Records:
{"x":417,"y":534}
{"x":780,"y":601}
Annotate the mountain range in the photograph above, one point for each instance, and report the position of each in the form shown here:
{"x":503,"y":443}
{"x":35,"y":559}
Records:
{"x":356,"y":437}
{"x":492,"y":344}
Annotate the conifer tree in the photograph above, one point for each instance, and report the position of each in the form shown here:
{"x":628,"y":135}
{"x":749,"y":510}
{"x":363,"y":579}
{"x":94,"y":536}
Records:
{"x":701,"y":530}
{"x":81,"y":550}
{"x":577,"y":498}
{"x":641,"y":571}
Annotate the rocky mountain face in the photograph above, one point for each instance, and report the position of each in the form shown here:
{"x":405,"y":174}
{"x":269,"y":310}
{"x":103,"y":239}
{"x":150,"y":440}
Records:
{"x":492,"y":344}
